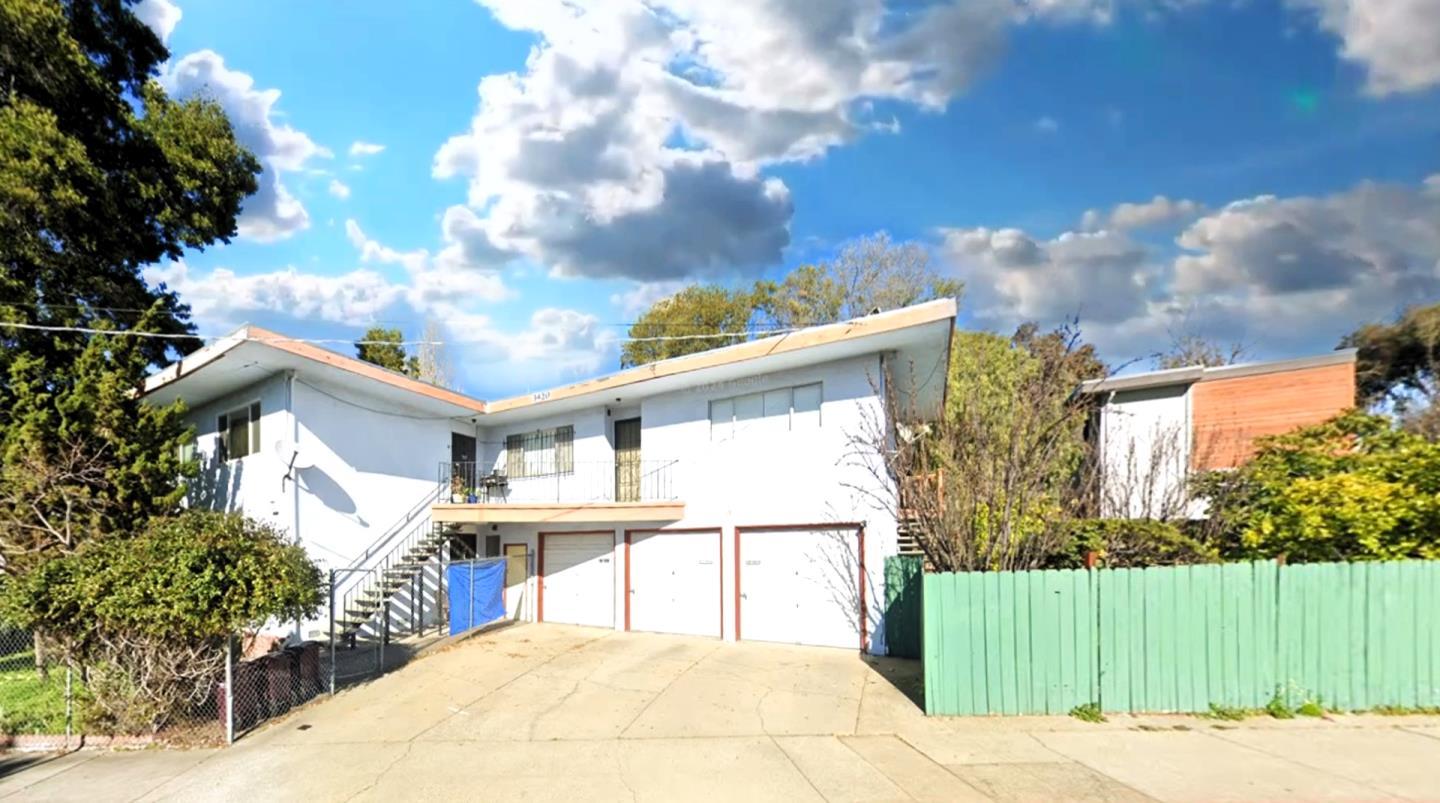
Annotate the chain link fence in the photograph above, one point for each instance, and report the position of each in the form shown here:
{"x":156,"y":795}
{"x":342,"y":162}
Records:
{"x":179,"y":695}
{"x":215,"y":692}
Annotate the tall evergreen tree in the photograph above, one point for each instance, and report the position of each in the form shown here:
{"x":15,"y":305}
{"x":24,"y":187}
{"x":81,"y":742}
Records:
{"x":100,"y":174}
{"x":383,"y":347}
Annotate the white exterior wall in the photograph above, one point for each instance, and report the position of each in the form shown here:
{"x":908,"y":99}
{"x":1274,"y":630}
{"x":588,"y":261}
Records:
{"x":1145,"y":452}
{"x":817,"y":477}
{"x":251,"y":484}
{"x":593,"y":451}
{"x":366,"y":470}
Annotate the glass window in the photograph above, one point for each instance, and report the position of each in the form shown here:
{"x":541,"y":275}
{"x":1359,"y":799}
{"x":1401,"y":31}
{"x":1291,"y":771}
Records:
{"x":748,"y":410}
{"x":806,"y":413}
{"x":777,"y":410}
{"x":722,"y":419}
{"x":239,"y":432}
{"x":771,"y":412}
{"x":539,"y":453}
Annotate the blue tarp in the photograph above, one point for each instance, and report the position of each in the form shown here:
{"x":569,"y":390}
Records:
{"x":476,"y":594}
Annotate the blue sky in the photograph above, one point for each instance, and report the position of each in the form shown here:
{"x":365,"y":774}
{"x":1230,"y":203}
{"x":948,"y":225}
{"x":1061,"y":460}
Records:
{"x":528,"y":174}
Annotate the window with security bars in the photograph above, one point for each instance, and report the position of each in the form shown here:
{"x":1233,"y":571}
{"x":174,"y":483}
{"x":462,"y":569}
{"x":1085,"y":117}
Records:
{"x":540,"y":453}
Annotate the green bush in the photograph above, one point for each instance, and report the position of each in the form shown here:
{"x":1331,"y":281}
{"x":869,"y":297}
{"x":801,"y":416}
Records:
{"x":1353,"y":488}
{"x":148,"y":615}
{"x":1127,"y":543}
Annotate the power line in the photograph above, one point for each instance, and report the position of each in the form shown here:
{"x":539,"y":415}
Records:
{"x":346,"y":341}
{"x":626,"y":324}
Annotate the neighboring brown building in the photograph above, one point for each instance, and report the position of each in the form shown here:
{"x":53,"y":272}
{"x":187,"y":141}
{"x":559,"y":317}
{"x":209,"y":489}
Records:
{"x":1156,"y":428}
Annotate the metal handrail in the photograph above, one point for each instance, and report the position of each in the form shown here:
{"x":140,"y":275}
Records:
{"x":423,"y":506}
{"x":578,"y":481}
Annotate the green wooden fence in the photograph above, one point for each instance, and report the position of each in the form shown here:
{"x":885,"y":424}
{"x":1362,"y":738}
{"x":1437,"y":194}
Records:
{"x":904,"y":613}
{"x":1352,"y":636}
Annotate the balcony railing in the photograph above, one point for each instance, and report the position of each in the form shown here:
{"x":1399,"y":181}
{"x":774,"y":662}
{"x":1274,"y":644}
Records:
{"x":581,"y":483}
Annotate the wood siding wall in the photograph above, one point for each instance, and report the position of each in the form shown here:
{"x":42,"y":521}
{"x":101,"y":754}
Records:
{"x":1229,"y":414}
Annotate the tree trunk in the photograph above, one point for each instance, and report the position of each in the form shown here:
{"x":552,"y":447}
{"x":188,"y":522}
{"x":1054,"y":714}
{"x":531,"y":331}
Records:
{"x":42,"y":668}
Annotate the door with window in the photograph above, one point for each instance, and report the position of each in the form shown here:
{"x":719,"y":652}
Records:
{"x":627,"y":460}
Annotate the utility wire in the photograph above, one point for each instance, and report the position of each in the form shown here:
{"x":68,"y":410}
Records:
{"x":372,"y":321}
{"x":345,"y":341}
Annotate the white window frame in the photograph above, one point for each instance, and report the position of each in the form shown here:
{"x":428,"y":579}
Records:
{"x":731,"y":427}
{"x":253,"y":412}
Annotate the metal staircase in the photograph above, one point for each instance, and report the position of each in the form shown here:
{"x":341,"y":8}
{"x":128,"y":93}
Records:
{"x":392,"y":565}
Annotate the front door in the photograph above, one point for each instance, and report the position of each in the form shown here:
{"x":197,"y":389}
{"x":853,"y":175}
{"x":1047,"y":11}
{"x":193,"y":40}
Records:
{"x":627,"y":460}
{"x":462,"y":464}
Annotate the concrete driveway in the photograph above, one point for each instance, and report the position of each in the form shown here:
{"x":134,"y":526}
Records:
{"x":545,"y":712}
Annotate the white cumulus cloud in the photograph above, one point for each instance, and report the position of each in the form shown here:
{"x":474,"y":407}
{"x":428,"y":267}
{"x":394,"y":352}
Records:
{"x":1396,"y":41}
{"x":633,"y":143}
{"x":363,"y":148}
{"x":338,"y":189}
{"x":222,"y":299}
{"x":161,"y":15}
{"x":1157,"y":211}
{"x":1290,"y":275}
{"x":272,"y":213}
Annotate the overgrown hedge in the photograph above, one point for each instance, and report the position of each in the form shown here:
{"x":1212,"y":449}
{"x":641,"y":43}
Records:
{"x":147,"y":616}
{"x":1128,"y":543}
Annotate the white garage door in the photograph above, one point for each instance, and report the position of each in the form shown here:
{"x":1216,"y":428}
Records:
{"x":675,"y":582}
{"x":578,"y":578}
{"x":800,"y":587}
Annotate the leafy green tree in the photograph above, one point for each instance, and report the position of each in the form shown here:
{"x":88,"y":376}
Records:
{"x":868,"y":274}
{"x":83,"y":456}
{"x":384,"y":348}
{"x":149,"y":615}
{"x":1354,"y":488}
{"x":691,"y":314}
{"x":993,"y":483}
{"x":100,"y":174}
{"x":1399,"y":364}
{"x":871,"y":273}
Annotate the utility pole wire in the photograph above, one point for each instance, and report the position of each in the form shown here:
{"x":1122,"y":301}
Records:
{"x":345,"y":341}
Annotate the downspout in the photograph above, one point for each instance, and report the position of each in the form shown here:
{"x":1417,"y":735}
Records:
{"x":295,"y":439}
{"x":299,"y":633}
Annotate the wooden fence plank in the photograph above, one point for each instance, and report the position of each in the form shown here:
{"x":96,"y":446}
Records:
{"x":1355,"y":636}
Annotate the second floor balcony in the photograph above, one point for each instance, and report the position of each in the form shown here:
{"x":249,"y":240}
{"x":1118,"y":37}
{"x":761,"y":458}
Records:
{"x":580,"y":491}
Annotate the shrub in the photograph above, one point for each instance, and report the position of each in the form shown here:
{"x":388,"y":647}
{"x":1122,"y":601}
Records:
{"x":149,"y":615}
{"x":1088,"y":712}
{"x":1353,"y":488}
{"x":1126,"y":543}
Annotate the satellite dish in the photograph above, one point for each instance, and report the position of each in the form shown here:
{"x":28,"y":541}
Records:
{"x":290,"y":456}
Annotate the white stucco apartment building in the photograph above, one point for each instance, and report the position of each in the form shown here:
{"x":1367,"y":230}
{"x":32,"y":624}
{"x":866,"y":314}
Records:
{"x":734,"y":493}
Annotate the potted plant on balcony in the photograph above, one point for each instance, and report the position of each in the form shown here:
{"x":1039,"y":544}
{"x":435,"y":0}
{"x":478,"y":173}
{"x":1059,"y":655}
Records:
{"x":457,"y":489}
{"x":474,"y":496}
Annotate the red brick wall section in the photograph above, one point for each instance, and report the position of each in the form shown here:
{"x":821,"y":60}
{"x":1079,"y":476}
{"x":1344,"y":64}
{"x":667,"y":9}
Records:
{"x":1229,"y":414}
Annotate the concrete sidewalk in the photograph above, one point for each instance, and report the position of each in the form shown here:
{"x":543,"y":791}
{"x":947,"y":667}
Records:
{"x":545,"y":712}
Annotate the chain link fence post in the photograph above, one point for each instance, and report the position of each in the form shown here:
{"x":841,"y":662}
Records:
{"x":229,"y":690}
{"x":332,"y":632}
{"x":69,"y":703}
